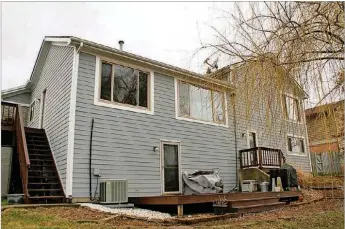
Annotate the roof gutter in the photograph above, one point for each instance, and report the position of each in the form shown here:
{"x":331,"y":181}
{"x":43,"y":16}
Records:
{"x":16,"y":90}
{"x":153,"y":63}
{"x":80,"y":47}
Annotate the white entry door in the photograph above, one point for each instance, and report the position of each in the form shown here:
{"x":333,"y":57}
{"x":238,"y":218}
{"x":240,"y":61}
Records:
{"x":171,"y":170}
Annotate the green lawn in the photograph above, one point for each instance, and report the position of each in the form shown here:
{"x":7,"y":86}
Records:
{"x":3,"y":202}
{"x":320,"y":215}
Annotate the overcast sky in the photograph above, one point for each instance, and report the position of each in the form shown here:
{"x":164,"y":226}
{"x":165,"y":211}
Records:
{"x":168,"y":32}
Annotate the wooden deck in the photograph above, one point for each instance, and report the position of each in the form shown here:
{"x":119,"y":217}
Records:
{"x":232,"y":198}
{"x":207,"y":198}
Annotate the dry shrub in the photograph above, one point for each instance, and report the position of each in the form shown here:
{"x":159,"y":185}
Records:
{"x":303,"y":178}
{"x":307,"y":180}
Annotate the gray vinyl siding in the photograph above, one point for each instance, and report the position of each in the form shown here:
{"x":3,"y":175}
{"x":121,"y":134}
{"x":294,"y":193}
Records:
{"x":23,"y":98}
{"x":271,"y":127}
{"x":56,"y":78}
{"x":25,"y":113}
{"x":123,"y":141}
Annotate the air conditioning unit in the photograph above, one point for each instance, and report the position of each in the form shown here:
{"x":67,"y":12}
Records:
{"x":114,"y":191}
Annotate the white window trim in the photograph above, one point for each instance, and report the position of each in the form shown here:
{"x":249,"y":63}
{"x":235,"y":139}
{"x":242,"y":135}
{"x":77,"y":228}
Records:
{"x":33,"y":117}
{"x":171,"y":142}
{"x":120,"y":106}
{"x":256,"y":138}
{"x":177,"y":108}
{"x":283,"y":109}
{"x":296,"y":154}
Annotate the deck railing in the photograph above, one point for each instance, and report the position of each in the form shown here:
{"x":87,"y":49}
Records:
{"x":261,"y":157}
{"x":12,"y":116}
{"x":8,"y":113}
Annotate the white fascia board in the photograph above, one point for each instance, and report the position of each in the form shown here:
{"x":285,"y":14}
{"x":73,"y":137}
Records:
{"x":71,"y":125}
{"x":60,"y":41}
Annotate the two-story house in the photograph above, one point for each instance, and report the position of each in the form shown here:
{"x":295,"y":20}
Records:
{"x":109,"y":114}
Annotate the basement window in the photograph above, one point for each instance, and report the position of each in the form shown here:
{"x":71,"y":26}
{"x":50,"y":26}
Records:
{"x":124,"y":86}
{"x":295,"y":145}
{"x":197,"y":103}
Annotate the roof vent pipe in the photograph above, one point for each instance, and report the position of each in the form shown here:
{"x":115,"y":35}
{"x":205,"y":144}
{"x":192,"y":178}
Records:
{"x":121,"y":42}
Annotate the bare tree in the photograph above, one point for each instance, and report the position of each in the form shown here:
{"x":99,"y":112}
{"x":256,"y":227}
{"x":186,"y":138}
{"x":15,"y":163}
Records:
{"x":268,"y":45}
{"x":306,"y":38}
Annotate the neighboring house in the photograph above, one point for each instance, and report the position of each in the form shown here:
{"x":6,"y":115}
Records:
{"x":19,"y":95}
{"x":145,"y":121}
{"x":326,"y":136}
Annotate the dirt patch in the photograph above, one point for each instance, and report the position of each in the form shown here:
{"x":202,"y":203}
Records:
{"x":289,"y":212}
{"x":311,"y":195}
{"x":81,"y":213}
{"x":125,"y":221}
{"x":335,"y":193}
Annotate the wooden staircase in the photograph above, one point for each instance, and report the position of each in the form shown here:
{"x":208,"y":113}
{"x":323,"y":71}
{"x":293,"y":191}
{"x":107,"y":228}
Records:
{"x":44,"y":185}
{"x":38,"y":173}
{"x":253,"y":205}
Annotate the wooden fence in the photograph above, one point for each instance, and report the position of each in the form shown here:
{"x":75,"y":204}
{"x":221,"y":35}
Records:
{"x":327,"y":163}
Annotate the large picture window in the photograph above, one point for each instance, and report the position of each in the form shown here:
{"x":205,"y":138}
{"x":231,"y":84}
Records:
{"x":291,"y":108}
{"x":295,"y":145}
{"x":200,"y":103}
{"x":124,"y":85}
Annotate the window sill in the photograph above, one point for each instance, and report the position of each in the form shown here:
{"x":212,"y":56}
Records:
{"x":297,"y":154}
{"x":123,"y":107}
{"x":200,"y":121}
{"x":293,"y":121}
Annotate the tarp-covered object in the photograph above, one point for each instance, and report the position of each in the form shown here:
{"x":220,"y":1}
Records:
{"x":201,"y":182}
{"x":289,"y":176}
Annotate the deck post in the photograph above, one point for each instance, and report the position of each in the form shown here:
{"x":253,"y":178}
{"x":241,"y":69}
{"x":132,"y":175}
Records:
{"x":180,"y":210}
{"x":280,"y":158}
{"x":260,"y":158}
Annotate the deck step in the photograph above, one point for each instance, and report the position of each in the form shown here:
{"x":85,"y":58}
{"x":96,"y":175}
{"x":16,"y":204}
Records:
{"x":39,"y":155}
{"x":252,"y":201}
{"x":41,"y":164}
{"x":41,"y":160}
{"x":257,"y":208}
{"x":33,"y":130}
{"x":42,"y":177}
{"x":44,"y":190}
{"x":42,"y":183}
{"x":40,"y":171}
{"x":37,"y":165}
{"x":37,"y":145}
{"x":39,"y":150}
{"x":46,"y":197}
{"x":35,"y":142}
{"x":35,"y":137}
